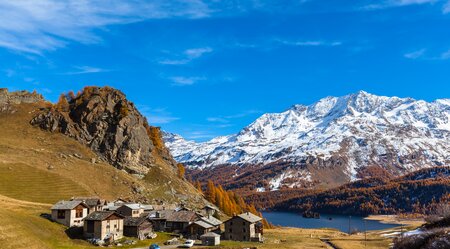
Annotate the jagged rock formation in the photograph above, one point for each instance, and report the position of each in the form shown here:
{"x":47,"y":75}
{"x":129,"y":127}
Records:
{"x":7,"y":99}
{"x":104,"y":120}
{"x":329,"y":142}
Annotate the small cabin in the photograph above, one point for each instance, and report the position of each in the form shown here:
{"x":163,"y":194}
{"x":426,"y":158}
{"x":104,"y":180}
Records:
{"x":103,"y":225}
{"x":70,"y":213}
{"x":210,"y":239}
{"x":131,"y":210}
{"x":138,"y":227}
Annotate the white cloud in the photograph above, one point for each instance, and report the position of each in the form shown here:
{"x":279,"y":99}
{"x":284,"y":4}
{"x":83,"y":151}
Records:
{"x":86,"y":70}
{"x":187,"y":56}
{"x":396,"y":3}
{"x":445,"y":55}
{"x":157,"y":115}
{"x":36,"y":26}
{"x":228,"y":118}
{"x":185,"y":81}
{"x":446,"y":8}
{"x":415,"y":54}
{"x":309,"y":43}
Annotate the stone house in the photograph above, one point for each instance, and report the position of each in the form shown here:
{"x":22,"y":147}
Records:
{"x":94,"y":203}
{"x":103,"y":225}
{"x":139,"y":227}
{"x":172,"y":220}
{"x":244,"y":227}
{"x":202,"y":226}
{"x":69,"y":213}
{"x":131,"y":210}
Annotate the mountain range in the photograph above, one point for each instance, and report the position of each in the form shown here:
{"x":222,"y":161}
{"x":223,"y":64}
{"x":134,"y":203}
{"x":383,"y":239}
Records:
{"x":327,"y":143}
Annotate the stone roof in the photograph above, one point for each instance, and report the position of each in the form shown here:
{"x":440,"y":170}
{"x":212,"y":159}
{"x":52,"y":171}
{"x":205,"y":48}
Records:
{"x":182,"y":216}
{"x":250,"y":217}
{"x":211,"y":220}
{"x":203,"y":224}
{"x":67,"y":205}
{"x":134,"y":221}
{"x":101,"y":215}
{"x":90,"y":201}
{"x":174,"y":216}
{"x":210,"y":234}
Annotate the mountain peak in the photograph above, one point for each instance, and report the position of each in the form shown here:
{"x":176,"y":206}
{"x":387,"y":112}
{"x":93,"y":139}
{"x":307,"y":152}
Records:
{"x":348,"y":132}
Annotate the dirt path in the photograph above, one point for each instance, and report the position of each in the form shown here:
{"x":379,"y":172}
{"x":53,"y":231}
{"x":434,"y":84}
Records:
{"x":329,"y":243}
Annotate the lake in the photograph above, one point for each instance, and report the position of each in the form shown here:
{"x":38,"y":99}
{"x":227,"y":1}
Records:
{"x":340,"y":222}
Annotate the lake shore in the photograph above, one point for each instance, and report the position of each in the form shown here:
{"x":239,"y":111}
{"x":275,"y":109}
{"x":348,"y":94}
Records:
{"x":395,"y":219}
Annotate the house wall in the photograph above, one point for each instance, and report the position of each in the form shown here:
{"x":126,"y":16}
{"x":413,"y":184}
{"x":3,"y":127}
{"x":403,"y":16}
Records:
{"x":239,"y":230}
{"x":78,"y":222}
{"x":210,"y":241}
{"x":126,"y":211}
{"x":115,"y":228}
{"x":70,"y":219}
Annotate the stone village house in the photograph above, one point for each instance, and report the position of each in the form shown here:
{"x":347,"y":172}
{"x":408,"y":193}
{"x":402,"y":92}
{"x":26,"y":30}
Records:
{"x":103,"y":225}
{"x":69,"y":213}
{"x":244,"y":227}
{"x":139,"y":227}
{"x":202,"y":226}
{"x":94,"y":203}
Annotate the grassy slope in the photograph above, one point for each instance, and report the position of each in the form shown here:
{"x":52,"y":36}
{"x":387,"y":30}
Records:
{"x":32,"y":168}
{"x":22,"y":226}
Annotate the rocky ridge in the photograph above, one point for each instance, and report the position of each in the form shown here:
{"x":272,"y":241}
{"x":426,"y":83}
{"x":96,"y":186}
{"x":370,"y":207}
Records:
{"x":104,"y":120}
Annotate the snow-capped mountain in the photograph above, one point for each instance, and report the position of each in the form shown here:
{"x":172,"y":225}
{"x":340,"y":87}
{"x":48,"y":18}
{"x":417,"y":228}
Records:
{"x":345,"y":134}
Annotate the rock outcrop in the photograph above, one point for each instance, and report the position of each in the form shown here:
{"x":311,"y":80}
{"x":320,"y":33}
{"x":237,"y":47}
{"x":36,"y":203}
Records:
{"x":7,"y":99}
{"x":104,"y":120}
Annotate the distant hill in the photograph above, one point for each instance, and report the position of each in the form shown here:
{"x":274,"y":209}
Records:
{"x":325,"y":144}
{"x":417,"y":192}
{"x":92,"y":143}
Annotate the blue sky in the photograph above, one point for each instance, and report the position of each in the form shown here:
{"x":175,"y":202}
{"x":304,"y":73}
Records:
{"x":208,"y":68}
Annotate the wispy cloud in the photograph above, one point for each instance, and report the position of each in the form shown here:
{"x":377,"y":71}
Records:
{"x":185,"y":81}
{"x":228,"y":118}
{"x":45,"y":25}
{"x":445,"y":55}
{"x":446,"y":8}
{"x":157,"y":115}
{"x":86,"y":70}
{"x":187,"y":56}
{"x":309,"y":43}
{"x":415,"y":54}
{"x":396,"y":3}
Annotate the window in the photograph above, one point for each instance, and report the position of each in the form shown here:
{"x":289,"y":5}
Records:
{"x":243,"y":230}
{"x":61,"y":214}
{"x":231,"y":230}
{"x":245,"y":237}
{"x":79,"y":213}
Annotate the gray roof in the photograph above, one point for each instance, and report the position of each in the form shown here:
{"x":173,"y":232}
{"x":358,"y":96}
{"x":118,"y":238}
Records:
{"x":67,"y":205}
{"x":90,"y":201}
{"x":174,"y":216}
{"x":134,"y":221}
{"x":211,"y":220}
{"x":134,"y":206}
{"x":101,"y":215}
{"x":210,"y":234}
{"x":203,"y":224}
{"x":250,"y":217}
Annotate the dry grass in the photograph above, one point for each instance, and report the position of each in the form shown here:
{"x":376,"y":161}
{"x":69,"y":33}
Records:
{"x":45,"y":160}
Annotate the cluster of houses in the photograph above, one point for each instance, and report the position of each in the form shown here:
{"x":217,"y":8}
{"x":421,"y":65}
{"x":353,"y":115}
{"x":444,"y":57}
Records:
{"x":110,"y":221}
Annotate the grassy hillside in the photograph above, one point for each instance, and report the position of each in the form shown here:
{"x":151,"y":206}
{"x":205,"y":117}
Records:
{"x":41,"y":166}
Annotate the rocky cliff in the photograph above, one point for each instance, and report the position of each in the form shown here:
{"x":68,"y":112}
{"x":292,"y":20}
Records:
{"x":7,"y":99}
{"x":104,"y":120}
